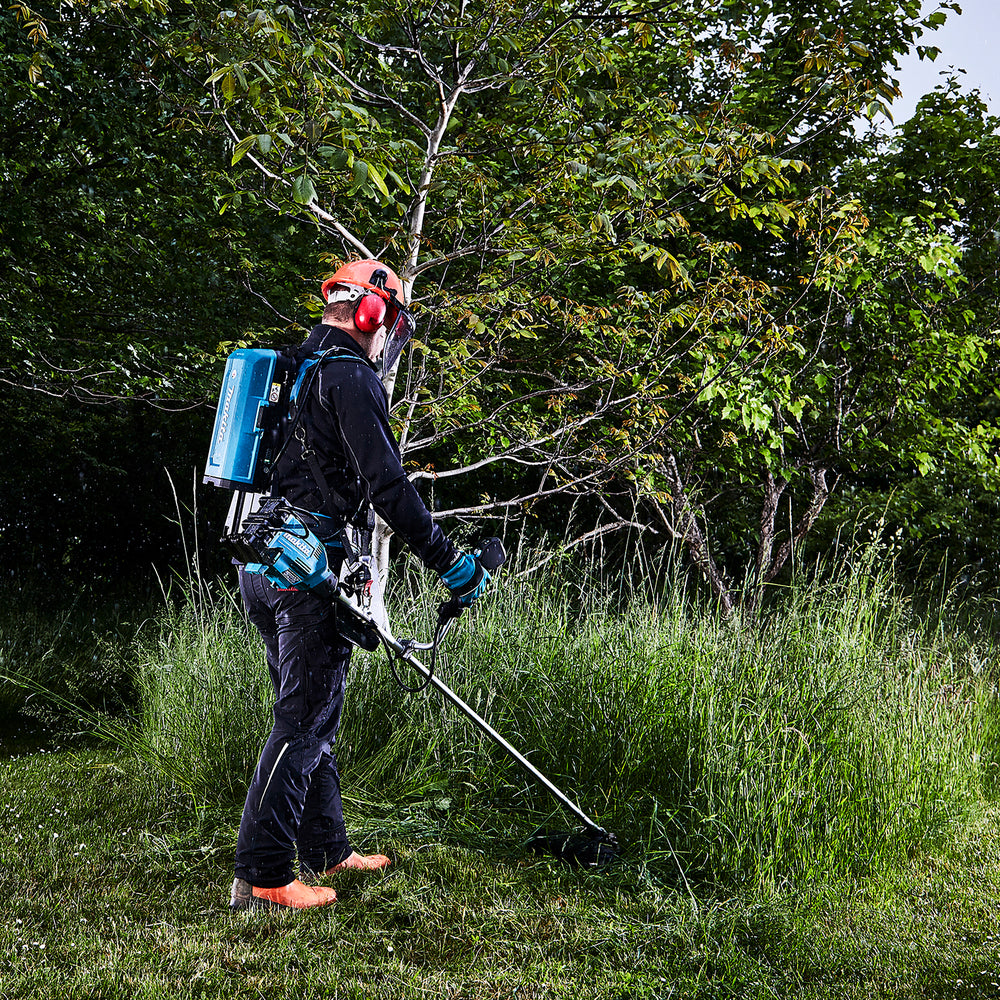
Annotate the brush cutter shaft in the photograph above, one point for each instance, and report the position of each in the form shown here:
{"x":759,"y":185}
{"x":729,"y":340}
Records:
{"x":371,"y":611}
{"x":405,"y":652}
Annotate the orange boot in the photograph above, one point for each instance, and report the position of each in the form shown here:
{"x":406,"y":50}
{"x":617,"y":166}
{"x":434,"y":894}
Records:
{"x":361,"y":863}
{"x":296,"y":895}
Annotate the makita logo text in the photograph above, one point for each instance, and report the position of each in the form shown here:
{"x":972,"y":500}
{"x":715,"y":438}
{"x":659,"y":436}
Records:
{"x":298,"y":544}
{"x":224,"y":419}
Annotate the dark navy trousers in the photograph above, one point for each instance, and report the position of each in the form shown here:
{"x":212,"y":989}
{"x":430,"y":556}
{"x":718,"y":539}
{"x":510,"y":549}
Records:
{"x":294,"y":798}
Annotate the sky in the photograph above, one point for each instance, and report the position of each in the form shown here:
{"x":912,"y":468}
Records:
{"x":968,"y":41}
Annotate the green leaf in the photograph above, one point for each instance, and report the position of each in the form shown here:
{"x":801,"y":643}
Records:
{"x":376,"y":178}
{"x":241,"y":148}
{"x":303,"y":190}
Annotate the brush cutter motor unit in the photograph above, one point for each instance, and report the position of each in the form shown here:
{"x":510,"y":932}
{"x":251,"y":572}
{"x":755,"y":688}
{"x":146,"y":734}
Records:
{"x":273,"y":539}
{"x":275,"y":543}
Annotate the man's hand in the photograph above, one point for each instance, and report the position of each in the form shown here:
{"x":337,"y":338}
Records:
{"x":466,"y":579}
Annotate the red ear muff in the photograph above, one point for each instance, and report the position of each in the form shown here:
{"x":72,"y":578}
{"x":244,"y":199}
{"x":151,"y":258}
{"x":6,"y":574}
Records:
{"x":369,"y":314}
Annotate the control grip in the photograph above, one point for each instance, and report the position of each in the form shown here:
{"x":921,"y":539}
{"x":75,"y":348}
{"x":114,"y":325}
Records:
{"x":491,"y":555}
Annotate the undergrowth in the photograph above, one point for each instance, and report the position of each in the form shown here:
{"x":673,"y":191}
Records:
{"x":823,"y":739}
{"x":61,"y":657}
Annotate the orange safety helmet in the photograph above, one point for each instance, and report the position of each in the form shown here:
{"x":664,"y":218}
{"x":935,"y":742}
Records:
{"x":380,"y":302}
{"x":371,"y":275}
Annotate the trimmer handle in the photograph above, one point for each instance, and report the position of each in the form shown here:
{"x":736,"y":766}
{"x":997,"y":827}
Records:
{"x":491,"y":555}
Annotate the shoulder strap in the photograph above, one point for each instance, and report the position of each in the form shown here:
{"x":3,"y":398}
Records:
{"x":307,"y":372}
{"x":310,"y":368}
{"x":303,"y":384}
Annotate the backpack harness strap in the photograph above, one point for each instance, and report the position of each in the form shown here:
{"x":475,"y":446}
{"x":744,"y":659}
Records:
{"x":331,"y":498}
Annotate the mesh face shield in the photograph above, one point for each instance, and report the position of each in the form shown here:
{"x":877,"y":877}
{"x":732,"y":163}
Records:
{"x":396,"y":338}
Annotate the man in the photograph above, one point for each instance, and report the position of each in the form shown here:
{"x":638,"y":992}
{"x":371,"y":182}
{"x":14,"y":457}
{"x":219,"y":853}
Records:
{"x":341,"y":461}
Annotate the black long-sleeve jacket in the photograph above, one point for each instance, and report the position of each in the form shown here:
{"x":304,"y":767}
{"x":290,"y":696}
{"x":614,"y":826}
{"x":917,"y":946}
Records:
{"x":345,"y":421}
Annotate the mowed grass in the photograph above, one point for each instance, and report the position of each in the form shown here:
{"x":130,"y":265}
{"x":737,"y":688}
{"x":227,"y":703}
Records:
{"x":107,"y":893}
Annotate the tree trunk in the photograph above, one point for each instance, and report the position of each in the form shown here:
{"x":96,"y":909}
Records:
{"x":774,"y":488}
{"x":380,"y":550}
{"x":688,"y":530}
{"x":821,"y":493}
{"x":383,"y":533}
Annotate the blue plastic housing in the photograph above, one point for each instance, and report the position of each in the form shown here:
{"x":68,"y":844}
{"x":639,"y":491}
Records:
{"x":239,"y":455}
{"x":297,"y":558}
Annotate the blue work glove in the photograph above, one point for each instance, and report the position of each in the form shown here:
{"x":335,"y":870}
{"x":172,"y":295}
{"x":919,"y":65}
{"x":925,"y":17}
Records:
{"x":466,"y":579}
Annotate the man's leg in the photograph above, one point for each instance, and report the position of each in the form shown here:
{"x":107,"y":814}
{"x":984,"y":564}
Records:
{"x":323,"y":840}
{"x":324,"y":845}
{"x":322,"y":831}
{"x":300,"y":635}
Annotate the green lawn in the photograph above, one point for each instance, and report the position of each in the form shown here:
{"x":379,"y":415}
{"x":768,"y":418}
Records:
{"x":111,"y":890}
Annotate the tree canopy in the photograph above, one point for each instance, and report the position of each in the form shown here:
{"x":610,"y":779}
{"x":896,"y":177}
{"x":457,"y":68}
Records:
{"x":661,"y":271}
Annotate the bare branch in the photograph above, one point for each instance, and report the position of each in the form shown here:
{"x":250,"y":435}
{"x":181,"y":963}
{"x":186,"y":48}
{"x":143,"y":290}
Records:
{"x":589,"y":536}
{"x":83,"y":395}
{"x":313,"y":206}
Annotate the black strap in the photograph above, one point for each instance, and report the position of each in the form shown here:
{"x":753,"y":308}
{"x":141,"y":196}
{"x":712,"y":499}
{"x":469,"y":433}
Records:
{"x":295,"y":408}
{"x":332,"y":499}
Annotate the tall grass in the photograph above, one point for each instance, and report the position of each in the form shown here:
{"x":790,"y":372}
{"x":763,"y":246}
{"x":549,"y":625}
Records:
{"x":57,"y":657}
{"x":203,"y":697}
{"x":822,"y":738}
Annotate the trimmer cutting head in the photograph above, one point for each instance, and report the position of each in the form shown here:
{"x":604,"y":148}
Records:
{"x":592,"y":848}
